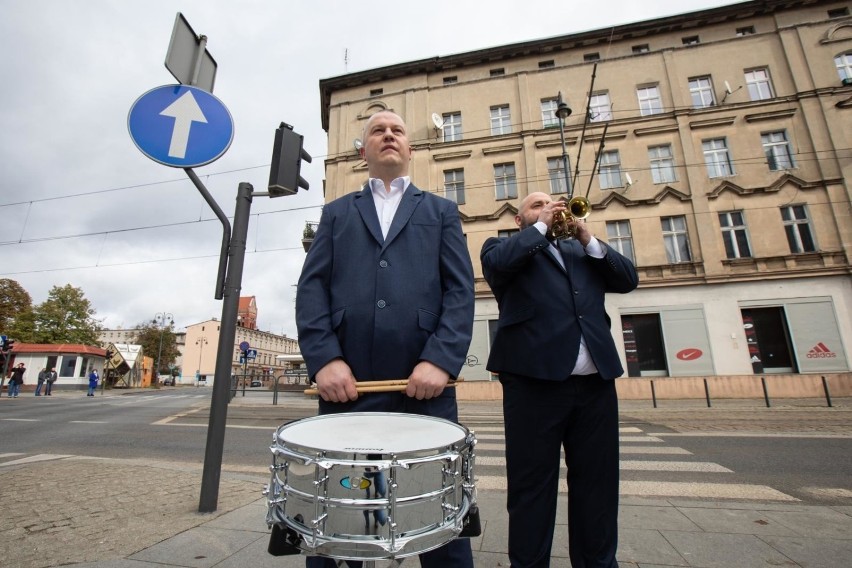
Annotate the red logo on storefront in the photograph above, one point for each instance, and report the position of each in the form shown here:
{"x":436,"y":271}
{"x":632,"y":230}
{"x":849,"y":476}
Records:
{"x":689,"y":354}
{"x":820,"y":351}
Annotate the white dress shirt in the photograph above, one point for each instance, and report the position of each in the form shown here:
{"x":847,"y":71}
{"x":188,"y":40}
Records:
{"x":387,"y":202}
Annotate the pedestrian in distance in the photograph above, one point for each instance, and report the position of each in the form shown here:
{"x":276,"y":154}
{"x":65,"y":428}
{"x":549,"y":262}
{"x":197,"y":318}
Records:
{"x":93,"y":382}
{"x":556,"y":361}
{"x":386,"y":292}
{"x":16,"y":379}
{"x":42,"y":377}
{"x":50,"y":377}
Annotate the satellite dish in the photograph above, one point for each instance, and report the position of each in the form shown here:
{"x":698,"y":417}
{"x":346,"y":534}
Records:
{"x":437,"y":120}
{"x":629,"y":179}
{"x":728,"y":88}
{"x":357,"y":144}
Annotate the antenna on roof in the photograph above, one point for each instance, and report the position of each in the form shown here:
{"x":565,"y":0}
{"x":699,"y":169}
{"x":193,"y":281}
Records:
{"x":346,"y":60}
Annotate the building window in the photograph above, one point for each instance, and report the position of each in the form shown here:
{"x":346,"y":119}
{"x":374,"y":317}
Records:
{"x":690,"y":40}
{"x":507,"y":232}
{"x":646,"y":351}
{"x":717,"y":158}
{"x":454,"y":185}
{"x":592,"y":57}
{"x":376,"y":92}
{"x":600,"y":109}
{"x":662,"y":163}
{"x":779,"y":155}
{"x":701,"y":91}
{"x":649,"y":100}
{"x":618,"y":237}
{"x":675,"y":239}
{"x":644,"y":48}
{"x":609,"y":172}
{"x":548,"y":113}
{"x":559,"y":183}
{"x":500,"y":120}
{"x":838,"y":12}
{"x":549,"y":64}
{"x":452,"y":128}
{"x":843,"y":62}
{"x":744,"y":31}
{"x":759,"y":87}
{"x":505,"y":185}
{"x":797,"y":226}
{"x":451,"y":80}
{"x":497,"y":72}
{"x":734,"y":234}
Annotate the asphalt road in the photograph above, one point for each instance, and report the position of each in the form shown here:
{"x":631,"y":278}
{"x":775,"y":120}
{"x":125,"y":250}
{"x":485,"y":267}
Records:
{"x":804,"y":454}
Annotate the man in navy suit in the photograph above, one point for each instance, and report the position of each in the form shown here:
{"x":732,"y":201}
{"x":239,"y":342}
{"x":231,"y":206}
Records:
{"x":386,"y":292}
{"x":556,"y":360}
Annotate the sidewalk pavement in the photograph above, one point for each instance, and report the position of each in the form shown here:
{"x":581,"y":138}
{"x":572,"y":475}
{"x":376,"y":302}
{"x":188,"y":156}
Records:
{"x":108,"y":513}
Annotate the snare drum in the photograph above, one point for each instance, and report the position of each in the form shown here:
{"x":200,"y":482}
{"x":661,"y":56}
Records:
{"x":363,"y":486}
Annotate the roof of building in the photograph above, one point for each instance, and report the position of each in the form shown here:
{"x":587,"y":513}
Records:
{"x":76,"y":348}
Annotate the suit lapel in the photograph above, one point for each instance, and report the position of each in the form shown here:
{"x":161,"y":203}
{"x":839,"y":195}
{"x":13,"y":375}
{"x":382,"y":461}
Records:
{"x":410,"y":200}
{"x":367,"y":209}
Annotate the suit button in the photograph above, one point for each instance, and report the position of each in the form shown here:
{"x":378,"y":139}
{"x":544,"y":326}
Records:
{"x":381,"y":303}
{"x":576,"y":292}
{"x":580,"y":317}
{"x":383,"y":263}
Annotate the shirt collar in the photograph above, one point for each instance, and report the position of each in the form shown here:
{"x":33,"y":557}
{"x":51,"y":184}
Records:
{"x":400,"y":184}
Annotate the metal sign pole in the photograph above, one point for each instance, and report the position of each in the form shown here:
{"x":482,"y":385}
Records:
{"x":221,"y":381}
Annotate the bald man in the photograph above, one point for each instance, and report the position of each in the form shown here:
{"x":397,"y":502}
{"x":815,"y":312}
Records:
{"x":556,"y":360}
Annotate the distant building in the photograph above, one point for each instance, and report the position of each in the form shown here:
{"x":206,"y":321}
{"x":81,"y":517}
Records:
{"x":73,"y":362}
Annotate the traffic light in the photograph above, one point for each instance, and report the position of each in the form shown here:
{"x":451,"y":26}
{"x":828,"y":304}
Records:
{"x":7,"y":343}
{"x":287,"y":156}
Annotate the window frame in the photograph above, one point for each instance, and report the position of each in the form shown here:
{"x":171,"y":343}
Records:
{"x":600,"y":110}
{"x":558,"y":177}
{"x":617,"y":239}
{"x":755,"y":86}
{"x":451,"y":130}
{"x":548,"y":115}
{"x":698,"y":90}
{"x":610,"y":171}
{"x":454,"y":188}
{"x":660,"y":164}
{"x":843,"y":64}
{"x":714,"y":164}
{"x":779,"y":153}
{"x":676,"y":239}
{"x":505,"y":178}
{"x":646,"y":103}
{"x":501,"y":122}
{"x":795,"y":226}
{"x":735,"y":234}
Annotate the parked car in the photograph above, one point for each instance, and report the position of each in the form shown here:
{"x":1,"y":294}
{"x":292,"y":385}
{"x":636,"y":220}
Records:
{"x":167,"y":381}
{"x":256,"y":383}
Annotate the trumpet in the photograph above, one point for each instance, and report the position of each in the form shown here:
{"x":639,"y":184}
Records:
{"x":576,"y":208}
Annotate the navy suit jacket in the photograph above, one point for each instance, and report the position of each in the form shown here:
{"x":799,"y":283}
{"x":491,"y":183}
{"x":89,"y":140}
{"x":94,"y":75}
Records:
{"x":383,"y":305}
{"x":544,"y":308}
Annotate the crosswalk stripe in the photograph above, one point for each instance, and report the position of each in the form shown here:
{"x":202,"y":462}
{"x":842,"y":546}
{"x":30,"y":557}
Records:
{"x":743,"y":492}
{"x":639,"y":439}
{"x":654,"y":450}
{"x":10,"y":454}
{"x":633,"y":465}
{"x":36,"y":458}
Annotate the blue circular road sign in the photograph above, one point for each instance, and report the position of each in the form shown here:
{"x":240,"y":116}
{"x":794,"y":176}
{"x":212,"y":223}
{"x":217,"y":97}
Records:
{"x":180,"y":126}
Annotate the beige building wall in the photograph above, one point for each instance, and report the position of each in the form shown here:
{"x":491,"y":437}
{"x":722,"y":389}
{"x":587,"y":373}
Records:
{"x":795,"y":44}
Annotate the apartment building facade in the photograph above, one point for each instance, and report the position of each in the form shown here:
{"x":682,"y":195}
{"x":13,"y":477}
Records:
{"x":715,"y":150}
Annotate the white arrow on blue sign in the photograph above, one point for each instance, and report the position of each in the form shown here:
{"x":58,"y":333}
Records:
{"x":180,"y":126}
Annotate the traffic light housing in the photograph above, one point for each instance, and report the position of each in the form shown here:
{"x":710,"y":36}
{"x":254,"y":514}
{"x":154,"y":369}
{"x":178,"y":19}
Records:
{"x":287,"y":155}
{"x":8,"y":343}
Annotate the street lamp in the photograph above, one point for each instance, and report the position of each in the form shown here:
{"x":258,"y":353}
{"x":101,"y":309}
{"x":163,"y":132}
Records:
{"x":160,"y":321}
{"x":562,"y":112}
{"x":201,"y":342}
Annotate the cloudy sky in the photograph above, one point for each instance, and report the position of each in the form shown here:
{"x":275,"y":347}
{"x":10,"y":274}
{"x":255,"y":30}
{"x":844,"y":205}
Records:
{"x":81,"y":205}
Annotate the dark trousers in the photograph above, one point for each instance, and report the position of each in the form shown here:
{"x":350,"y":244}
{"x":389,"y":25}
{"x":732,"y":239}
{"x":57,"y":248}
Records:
{"x":456,"y":553}
{"x":579,"y":415}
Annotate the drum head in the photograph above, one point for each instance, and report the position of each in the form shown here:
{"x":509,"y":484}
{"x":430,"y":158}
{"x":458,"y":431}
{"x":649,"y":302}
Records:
{"x":372,"y":432}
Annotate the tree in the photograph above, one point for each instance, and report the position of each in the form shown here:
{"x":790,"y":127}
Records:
{"x":16,"y":311}
{"x":66,"y":317}
{"x":148,"y":335}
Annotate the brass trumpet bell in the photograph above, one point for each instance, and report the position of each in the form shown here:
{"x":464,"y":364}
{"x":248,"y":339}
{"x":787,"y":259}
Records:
{"x":576,"y":208}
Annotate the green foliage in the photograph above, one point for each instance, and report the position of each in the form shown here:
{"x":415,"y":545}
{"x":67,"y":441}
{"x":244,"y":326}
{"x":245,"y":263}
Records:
{"x":66,"y":317}
{"x":16,"y":311}
{"x":149,"y":335}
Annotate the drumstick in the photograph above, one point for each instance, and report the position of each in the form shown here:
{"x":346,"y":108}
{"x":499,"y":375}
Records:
{"x":396,"y":385}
